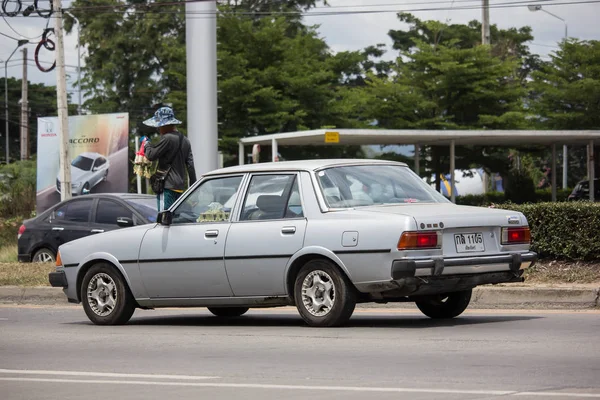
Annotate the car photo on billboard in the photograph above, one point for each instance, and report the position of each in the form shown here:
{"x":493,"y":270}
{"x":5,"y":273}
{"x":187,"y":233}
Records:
{"x":87,"y":170}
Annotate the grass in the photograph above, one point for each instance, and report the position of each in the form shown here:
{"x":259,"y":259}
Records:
{"x":554,"y":271}
{"x":8,"y":254}
{"x":25,"y":274}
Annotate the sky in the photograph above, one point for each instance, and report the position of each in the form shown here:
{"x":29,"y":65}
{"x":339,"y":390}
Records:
{"x":348,"y":31}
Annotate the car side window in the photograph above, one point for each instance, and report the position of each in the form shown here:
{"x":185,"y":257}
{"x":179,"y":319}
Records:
{"x":73,"y":211}
{"x":211,"y":201}
{"x":272,"y":197}
{"x":109,"y":211}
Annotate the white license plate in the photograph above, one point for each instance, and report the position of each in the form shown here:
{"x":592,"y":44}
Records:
{"x":469,"y":242}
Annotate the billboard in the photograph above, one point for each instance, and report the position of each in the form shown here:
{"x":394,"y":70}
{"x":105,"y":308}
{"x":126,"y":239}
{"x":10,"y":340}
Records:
{"x":98,"y":153}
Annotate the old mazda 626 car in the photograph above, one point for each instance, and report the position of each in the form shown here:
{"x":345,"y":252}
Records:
{"x":322,"y":235}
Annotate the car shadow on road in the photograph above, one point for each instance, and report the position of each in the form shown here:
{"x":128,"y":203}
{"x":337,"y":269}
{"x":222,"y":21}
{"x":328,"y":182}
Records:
{"x":357,"y":321}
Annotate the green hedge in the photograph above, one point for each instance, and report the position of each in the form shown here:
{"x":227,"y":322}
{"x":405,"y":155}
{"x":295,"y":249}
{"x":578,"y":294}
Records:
{"x":563,"y":230}
{"x":17,"y":188}
{"x":497,"y":197}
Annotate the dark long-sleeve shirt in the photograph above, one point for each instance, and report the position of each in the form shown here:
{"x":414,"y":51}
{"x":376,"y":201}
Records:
{"x":164,"y":150}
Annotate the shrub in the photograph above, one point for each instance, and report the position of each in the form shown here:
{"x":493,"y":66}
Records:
{"x":486,"y":199}
{"x":17,"y":188}
{"x":563,"y":230}
{"x":519,"y":188}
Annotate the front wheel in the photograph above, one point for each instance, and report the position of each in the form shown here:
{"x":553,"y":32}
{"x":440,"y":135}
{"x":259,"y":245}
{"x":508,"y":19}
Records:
{"x":323,"y":295}
{"x":105,"y":296}
{"x":228,"y":311}
{"x":444,"y":306}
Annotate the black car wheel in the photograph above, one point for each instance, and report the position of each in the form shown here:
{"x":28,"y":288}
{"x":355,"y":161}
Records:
{"x":105,"y":296}
{"x":105,"y":177}
{"x":228,"y":311}
{"x":445,"y":306}
{"x":323,"y":295}
{"x":44,"y":255}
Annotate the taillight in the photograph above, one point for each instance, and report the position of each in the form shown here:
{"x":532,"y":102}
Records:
{"x":520,"y":235}
{"x":21,"y":231}
{"x":420,"y":240}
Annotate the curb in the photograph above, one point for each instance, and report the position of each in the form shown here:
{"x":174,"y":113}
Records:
{"x":534,"y":297}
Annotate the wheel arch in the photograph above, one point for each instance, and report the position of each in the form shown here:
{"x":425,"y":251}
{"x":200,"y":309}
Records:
{"x":98,"y":259}
{"x":305,"y":255}
{"x":40,"y":246}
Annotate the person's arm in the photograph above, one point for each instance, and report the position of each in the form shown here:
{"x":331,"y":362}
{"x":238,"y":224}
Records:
{"x":189,"y":163}
{"x":155,"y":152}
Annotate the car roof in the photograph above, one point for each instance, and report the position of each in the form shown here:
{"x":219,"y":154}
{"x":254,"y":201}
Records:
{"x":91,"y":154}
{"x":303,"y":165}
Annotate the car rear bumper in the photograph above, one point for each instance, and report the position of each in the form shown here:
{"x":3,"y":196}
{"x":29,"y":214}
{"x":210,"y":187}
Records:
{"x":462,"y":265}
{"x":58,"y":279}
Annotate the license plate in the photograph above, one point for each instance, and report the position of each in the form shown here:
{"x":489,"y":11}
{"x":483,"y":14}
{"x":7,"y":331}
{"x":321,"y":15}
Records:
{"x":469,"y":242}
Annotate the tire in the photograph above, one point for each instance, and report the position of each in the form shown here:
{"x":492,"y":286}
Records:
{"x":86,"y":186}
{"x":105,"y":177}
{"x":44,"y":255}
{"x":328,"y":302}
{"x":104,"y":314}
{"x":228,"y":311}
{"x":445,"y":306}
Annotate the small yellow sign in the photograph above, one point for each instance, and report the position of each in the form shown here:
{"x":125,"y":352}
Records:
{"x":332,"y":137}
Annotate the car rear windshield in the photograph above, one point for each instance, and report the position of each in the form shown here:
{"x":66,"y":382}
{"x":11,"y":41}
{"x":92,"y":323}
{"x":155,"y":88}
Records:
{"x":83,"y":163}
{"x":365,"y":185}
{"x":145,"y":206}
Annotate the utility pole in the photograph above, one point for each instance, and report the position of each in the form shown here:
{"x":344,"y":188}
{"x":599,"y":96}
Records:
{"x":485,"y":25}
{"x":61,"y":98}
{"x":24,"y":108}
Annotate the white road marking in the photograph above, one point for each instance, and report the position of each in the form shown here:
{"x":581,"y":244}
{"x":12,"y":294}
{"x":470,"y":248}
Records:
{"x":104,"y":374}
{"x":305,"y":387}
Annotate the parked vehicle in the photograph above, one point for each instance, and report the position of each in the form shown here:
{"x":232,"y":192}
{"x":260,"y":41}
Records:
{"x":40,"y":237}
{"x":581,"y":191}
{"x":87,"y":171}
{"x":322,"y":235}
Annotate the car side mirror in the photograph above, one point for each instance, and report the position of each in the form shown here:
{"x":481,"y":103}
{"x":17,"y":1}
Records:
{"x":165,"y":217}
{"x":124,"y":222}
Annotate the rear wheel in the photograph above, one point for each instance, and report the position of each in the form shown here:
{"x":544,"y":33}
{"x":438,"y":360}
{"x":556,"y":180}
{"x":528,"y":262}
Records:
{"x":43,"y":255}
{"x":228,"y":311}
{"x":105,"y":296}
{"x":444,"y":306}
{"x":323,"y":295}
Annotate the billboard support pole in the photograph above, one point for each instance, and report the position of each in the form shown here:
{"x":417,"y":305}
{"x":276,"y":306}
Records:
{"x":61,"y":97}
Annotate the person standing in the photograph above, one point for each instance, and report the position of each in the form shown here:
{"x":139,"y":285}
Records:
{"x":174,"y":155}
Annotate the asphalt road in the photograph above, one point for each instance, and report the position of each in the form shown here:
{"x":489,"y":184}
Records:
{"x":116,"y":182}
{"x":56,"y":353}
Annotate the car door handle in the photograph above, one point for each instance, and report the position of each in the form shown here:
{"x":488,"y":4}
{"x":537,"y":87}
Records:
{"x":288,"y":229}
{"x":210,"y":234}
{"x":58,"y":228}
{"x":97,"y":230}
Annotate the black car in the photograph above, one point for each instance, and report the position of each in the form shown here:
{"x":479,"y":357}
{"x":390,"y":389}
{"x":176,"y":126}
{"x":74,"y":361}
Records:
{"x":581,"y":191}
{"x":75,"y":218}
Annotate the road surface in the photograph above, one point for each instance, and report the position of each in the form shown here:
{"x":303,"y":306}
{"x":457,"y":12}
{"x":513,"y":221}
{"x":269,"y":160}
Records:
{"x":56,"y":353}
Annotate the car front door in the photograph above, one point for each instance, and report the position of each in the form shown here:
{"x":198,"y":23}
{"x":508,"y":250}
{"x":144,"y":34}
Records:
{"x":186,"y":258}
{"x":270,"y":229}
{"x":108,"y":212}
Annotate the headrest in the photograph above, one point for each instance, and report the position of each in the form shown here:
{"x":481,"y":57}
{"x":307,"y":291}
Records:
{"x":270,"y":203}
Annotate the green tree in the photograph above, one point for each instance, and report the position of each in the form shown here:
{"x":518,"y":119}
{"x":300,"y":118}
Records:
{"x":42,"y":103}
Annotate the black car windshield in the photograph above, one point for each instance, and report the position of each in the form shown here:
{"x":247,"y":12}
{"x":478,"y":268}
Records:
{"x":365,"y":185}
{"x":145,"y":206}
{"x":83,"y":163}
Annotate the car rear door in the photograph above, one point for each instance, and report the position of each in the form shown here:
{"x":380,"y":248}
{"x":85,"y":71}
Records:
{"x":72,"y":220}
{"x":269,"y":230}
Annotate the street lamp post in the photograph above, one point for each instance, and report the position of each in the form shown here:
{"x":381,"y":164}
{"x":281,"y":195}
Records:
{"x":534,"y":8}
{"x":20,"y":43}
{"x":78,"y":59}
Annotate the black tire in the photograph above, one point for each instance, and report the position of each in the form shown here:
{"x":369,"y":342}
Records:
{"x":124,"y":303}
{"x":342,"y":294}
{"x":228,"y":311}
{"x":105,"y":178}
{"x":445,"y":306}
{"x":44,"y":255}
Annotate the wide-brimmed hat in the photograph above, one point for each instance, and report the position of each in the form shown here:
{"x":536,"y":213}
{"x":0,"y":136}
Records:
{"x":162,"y":117}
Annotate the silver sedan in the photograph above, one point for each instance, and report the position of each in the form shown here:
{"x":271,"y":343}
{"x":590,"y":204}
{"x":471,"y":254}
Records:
{"x":322,"y":235}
